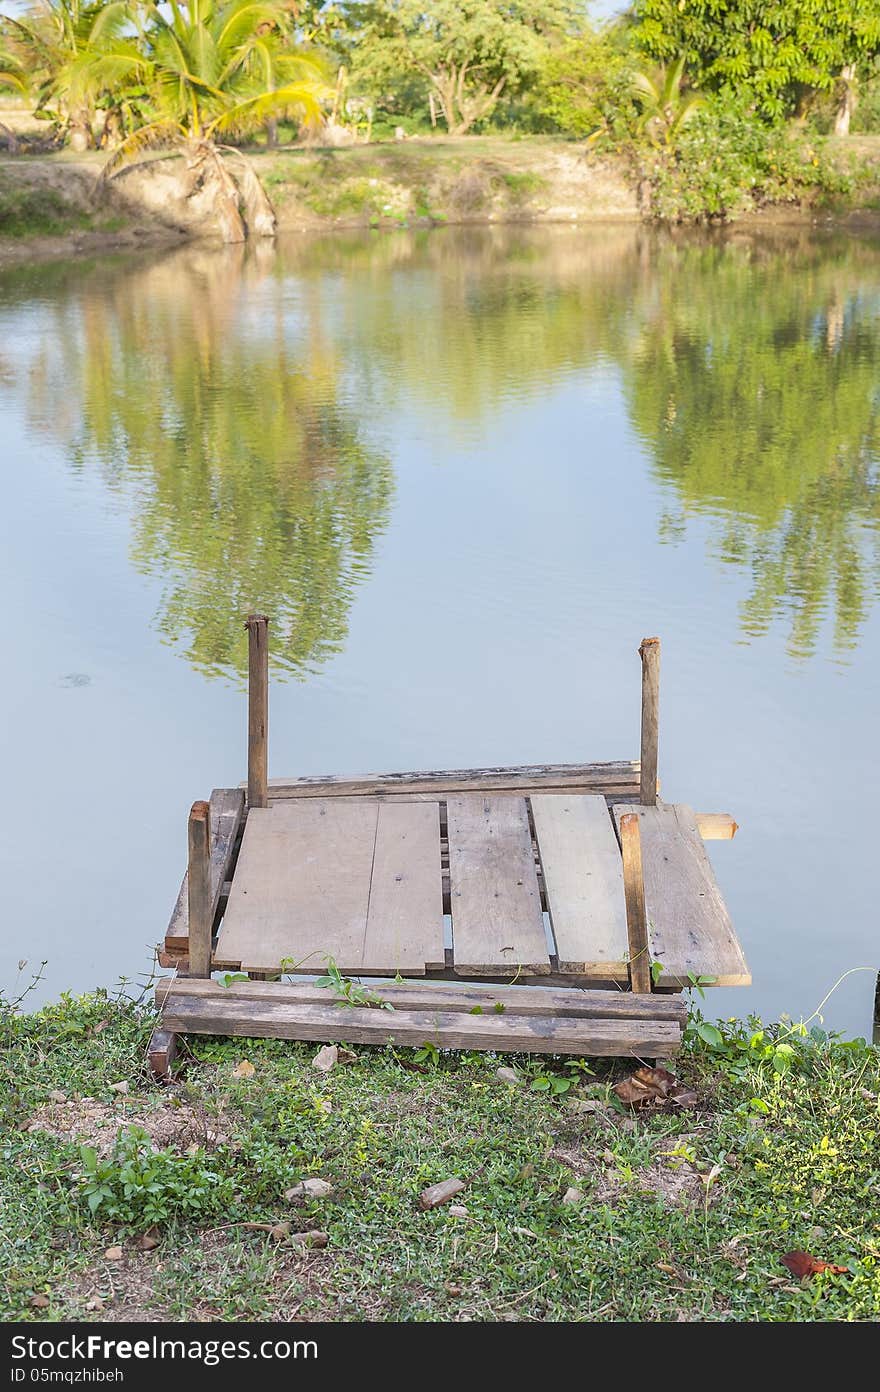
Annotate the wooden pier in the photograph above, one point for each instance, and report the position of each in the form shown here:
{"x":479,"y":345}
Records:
{"x":553,"y":908}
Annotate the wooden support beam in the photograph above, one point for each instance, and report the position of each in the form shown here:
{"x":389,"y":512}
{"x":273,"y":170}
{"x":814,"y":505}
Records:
{"x":649,"y":651}
{"x":201,"y":900}
{"x":160,"y":1053}
{"x":257,"y":626}
{"x":634,"y":894}
{"x":716,"y":826}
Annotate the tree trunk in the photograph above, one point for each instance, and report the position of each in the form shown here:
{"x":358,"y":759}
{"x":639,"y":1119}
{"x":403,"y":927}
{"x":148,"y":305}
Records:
{"x":846,"y":99}
{"x":11,"y":138}
{"x":259,"y":215}
{"x":271,"y":134}
{"x":79,"y":131}
{"x":205,"y":162}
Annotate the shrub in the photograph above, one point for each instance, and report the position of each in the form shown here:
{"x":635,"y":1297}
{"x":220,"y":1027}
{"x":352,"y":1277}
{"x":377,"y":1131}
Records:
{"x":137,"y":1186}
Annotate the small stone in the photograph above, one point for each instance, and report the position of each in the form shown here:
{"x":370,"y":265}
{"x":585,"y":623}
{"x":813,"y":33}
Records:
{"x":245,"y":1069}
{"x":608,"y":1157}
{"x":457,"y":1211}
{"x":40,"y":1302}
{"x":113,"y":1254}
{"x":441,"y":1193}
{"x":453,"y":1290}
{"x":148,"y":1240}
{"x":507,"y":1075}
{"x":57,"y":1096}
{"x":572,"y":1195}
{"x":326,"y":1058}
{"x":310,"y":1189}
{"x":119,"y":1087}
{"x":582,"y":1104}
{"x":95,"y":1304}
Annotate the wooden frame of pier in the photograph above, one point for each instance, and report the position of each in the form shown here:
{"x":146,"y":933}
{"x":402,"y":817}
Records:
{"x":551,"y":908}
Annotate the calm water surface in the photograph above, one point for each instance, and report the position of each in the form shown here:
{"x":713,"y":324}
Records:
{"x":465,"y":472}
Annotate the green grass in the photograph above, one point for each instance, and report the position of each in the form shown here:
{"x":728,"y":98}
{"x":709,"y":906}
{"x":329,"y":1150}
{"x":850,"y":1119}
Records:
{"x":26,"y":211}
{"x":790,"y":1120}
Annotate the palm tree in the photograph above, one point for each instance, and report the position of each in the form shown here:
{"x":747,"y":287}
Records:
{"x":60,"y":46}
{"x":12,"y":79}
{"x":666,"y":106}
{"x":214,"y":68}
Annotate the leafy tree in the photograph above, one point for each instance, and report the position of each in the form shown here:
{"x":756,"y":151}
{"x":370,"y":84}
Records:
{"x":249,"y":484}
{"x":777,"y":49}
{"x":582,"y":85}
{"x":467,"y":52}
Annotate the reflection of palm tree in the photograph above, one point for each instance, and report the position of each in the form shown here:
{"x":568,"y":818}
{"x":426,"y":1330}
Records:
{"x":252,"y":488}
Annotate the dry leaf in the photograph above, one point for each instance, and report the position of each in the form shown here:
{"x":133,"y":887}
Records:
{"x":572,"y":1195}
{"x":654,"y":1089}
{"x":95,"y":1303}
{"x":801,"y":1264}
{"x":441,"y":1193}
{"x":148,"y":1240}
{"x":244,"y":1070}
{"x":40,"y":1302}
{"x":113,"y":1254}
{"x":326,"y":1058}
{"x":119,"y":1087}
{"x":57,"y":1096}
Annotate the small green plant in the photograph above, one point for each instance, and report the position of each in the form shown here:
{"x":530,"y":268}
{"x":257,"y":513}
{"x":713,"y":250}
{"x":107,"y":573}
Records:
{"x":698,"y":983}
{"x":348,"y":992}
{"x":229,"y":978}
{"x":429,"y":1054}
{"x":558,"y":1084}
{"x":137,"y":1186}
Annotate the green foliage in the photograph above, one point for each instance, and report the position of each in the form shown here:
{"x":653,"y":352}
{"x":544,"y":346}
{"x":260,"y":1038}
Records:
{"x":583,"y":86}
{"x":466,"y":52}
{"x":770,"y":51}
{"x":666,"y":106}
{"x":137,"y":1186}
{"x":348,"y":992}
{"x":725,"y":161}
{"x":27,"y":211}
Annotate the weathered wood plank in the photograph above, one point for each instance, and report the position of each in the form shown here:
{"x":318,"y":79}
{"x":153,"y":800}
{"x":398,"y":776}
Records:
{"x":405,"y":915}
{"x":583,"y":876}
{"x":448,"y":996}
{"x":596,"y":777}
{"x":634,"y":893}
{"x":227,"y":811}
{"x":497,"y":923}
{"x":257,"y":626}
{"x":716,"y":826}
{"x":301,"y":887}
{"x":200,"y":899}
{"x":448,"y":1030}
{"x":161,"y":1051}
{"x":649,"y":652}
{"x":689,"y":927}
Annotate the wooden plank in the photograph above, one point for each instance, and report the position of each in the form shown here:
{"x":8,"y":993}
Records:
{"x":161,"y":1051}
{"x":200,"y":900}
{"x":448,"y":996}
{"x":448,"y":1030}
{"x":716,"y":826}
{"x":649,"y":652}
{"x":634,"y":893}
{"x":405,"y":914}
{"x":497,"y":923}
{"x":301,"y":887}
{"x":595,"y":777}
{"x":689,"y":928}
{"x":583,"y":876}
{"x":257,"y":626}
{"x":227,"y":812}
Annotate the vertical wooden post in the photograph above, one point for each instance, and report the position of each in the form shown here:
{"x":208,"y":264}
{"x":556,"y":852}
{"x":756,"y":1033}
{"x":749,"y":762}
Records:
{"x":634,"y":894}
{"x":649,"y":651}
{"x":257,"y":626}
{"x":200,"y":900}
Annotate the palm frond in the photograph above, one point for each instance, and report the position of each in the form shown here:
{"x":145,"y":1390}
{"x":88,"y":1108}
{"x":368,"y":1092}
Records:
{"x":155,"y":136}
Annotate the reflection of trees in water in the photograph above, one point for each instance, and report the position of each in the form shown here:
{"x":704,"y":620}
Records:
{"x":754,"y":378}
{"x":252,"y":487}
{"x":210,"y":381}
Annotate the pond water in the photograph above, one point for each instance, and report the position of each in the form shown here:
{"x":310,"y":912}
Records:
{"x":465,"y":471}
